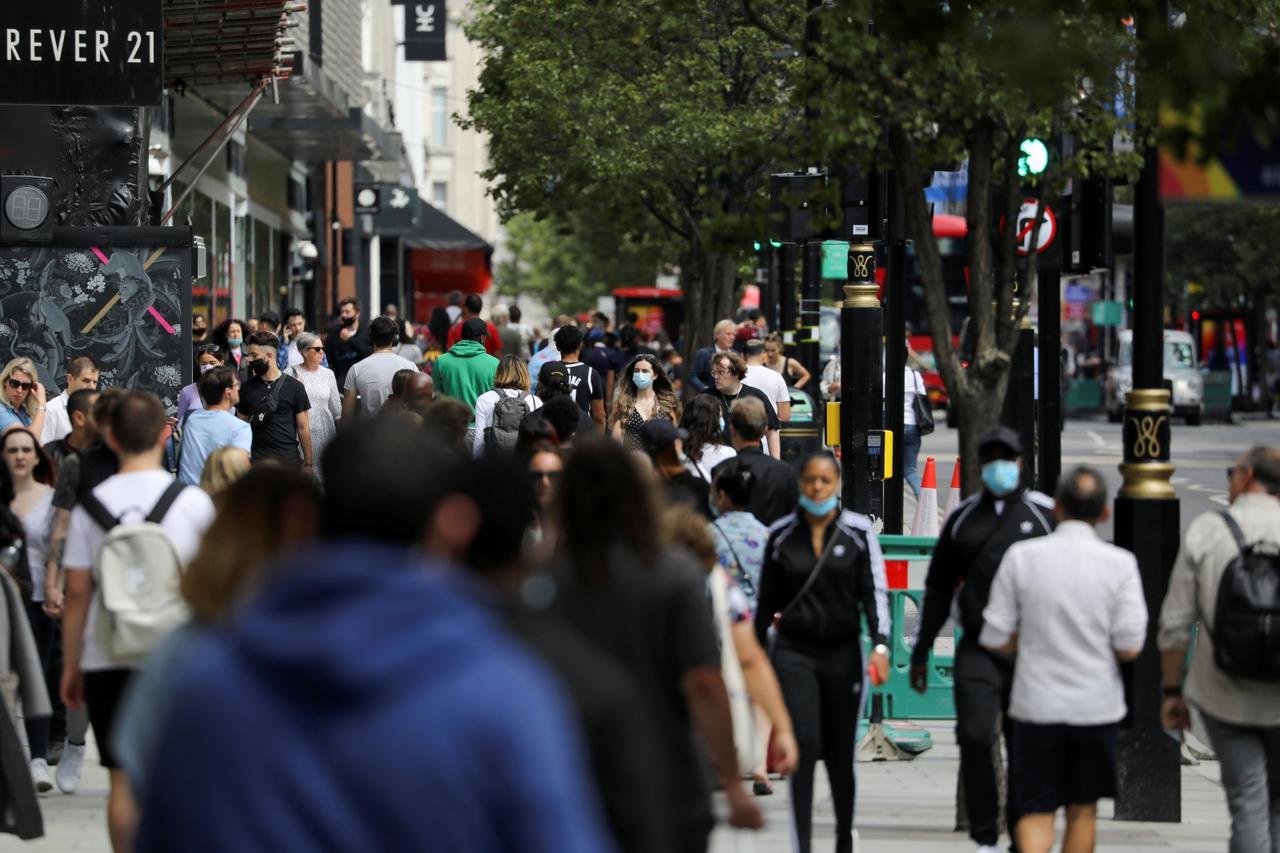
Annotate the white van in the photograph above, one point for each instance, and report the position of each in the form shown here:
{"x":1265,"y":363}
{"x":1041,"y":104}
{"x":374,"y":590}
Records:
{"x":1181,"y":376}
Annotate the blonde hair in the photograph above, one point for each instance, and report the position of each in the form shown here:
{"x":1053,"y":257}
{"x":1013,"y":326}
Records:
{"x":28,"y":367}
{"x":512,"y":373}
{"x":223,"y":467}
{"x":689,"y":530}
{"x":723,"y":326}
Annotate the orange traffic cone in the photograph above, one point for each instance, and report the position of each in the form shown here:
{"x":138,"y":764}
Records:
{"x":953,"y":495}
{"x":926,"y":520}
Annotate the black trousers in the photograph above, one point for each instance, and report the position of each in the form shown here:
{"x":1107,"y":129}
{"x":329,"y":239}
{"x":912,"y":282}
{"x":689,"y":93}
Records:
{"x":822,"y":686}
{"x":42,"y":629}
{"x":983,"y":682}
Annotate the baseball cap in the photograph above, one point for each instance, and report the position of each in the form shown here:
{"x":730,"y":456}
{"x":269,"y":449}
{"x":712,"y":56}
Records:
{"x":999,"y":436}
{"x":660,"y":433}
{"x":555,"y":371}
{"x":474,"y":329}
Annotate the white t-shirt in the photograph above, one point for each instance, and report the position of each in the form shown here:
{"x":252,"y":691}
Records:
{"x":484,"y":413}
{"x":131,"y":497}
{"x":371,"y":378}
{"x":712,"y":455}
{"x":912,"y":384}
{"x":770,"y":382}
{"x":1073,"y":600}
{"x":57,"y":423}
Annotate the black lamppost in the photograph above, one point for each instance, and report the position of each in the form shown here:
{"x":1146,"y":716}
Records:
{"x":861,"y":385}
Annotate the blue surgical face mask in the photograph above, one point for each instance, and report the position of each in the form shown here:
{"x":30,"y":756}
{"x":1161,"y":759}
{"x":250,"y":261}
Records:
{"x":1001,"y":476}
{"x":234,"y":342}
{"x":722,"y":424}
{"x":817,"y":508}
{"x":711,"y":504}
{"x":642,"y":380}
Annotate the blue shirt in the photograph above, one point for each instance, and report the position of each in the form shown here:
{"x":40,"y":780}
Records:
{"x":740,"y":545}
{"x":9,"y":417}
{"x":204,"y":432}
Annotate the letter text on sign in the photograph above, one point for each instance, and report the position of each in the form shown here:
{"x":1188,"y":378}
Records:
{"x":101,"y":39}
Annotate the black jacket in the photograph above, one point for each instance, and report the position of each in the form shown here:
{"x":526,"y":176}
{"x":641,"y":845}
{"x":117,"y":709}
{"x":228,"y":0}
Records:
{"x":969,"y":552}
{"x":852,"y":583}
{"x":777,"y":489}
{"x":343,"y":354}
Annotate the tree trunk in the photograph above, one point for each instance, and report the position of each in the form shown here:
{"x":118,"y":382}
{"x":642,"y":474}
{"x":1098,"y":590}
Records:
{"x":707,"y":279}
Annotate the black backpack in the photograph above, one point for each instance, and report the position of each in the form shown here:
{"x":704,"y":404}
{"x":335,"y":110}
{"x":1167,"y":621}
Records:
{"x":1246,"y":620}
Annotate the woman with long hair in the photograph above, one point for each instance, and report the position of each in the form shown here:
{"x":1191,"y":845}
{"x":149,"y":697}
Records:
{"x":23,"y":400}
{"x":33,"y":477}
{"x":643,"y":392}
{"x":705,"y":449}
{"x":229,"y":336}
{"x":823,"y":573}
{"x":269,"y":512}
{"x":545,"y":465}
{"x":321,"y":385}
{"x":208,"y":356}
{"x":511,"y":380}
{"x":776,"y":360}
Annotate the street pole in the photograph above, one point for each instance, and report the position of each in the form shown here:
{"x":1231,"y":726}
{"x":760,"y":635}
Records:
{"x":808,"y":349}
{"x":1049,"y":284}
{"x":1019,"y":400}
{"x":861,"y":391}
{"x":895,"y":347}
{"x":1146,"y":520}
{"x":786,"y":284}
{"x":766,"y":282}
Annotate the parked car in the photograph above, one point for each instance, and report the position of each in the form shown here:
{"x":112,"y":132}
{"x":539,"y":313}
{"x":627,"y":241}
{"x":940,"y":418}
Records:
{"x":1181,"y":376}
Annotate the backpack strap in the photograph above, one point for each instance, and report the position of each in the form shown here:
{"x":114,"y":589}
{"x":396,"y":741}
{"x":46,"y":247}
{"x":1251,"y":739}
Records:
{"x":99,"y":513}
{"x":1236,"y":532}
{"x":163,"y":505}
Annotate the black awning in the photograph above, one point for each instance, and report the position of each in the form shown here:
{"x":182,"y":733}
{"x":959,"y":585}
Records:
{"x":226,"y":41}
{"x":436,"y":230}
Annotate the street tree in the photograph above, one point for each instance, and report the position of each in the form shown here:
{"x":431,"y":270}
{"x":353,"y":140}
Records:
{"x":670,"y":116}
{"x":915,"y":86}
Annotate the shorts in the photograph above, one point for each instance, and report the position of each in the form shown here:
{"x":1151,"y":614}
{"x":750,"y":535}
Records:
{"x":1060,"y":765}
{"x":103,"y":694}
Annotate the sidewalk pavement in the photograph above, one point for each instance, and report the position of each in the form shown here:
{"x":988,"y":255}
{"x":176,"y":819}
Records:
{"x":903,"y":807}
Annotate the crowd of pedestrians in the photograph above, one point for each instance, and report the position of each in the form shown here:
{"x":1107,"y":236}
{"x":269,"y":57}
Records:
{"x":606,"y":600}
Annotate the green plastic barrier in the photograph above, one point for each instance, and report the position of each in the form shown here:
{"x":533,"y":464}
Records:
{"x":1217,"y":394}
{"x":1084,"y":395}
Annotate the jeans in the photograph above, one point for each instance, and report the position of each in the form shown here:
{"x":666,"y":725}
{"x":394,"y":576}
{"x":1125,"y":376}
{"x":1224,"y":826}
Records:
{"x":910,"y":453}
{"x":1250,"y":761}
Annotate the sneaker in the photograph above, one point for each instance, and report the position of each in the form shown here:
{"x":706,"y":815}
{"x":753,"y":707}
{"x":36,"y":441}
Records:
{"x":55,"y":753}
{"x":761,"y":789}
{"x":40,"y":775}
{"x":69,"y":769}
{"x":988,"y":848}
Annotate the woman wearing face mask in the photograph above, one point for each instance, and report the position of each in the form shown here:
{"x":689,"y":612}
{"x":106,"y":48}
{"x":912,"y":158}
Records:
{"x":822,"y":574}
{"x":704,"y":421}
{"x":229,"y":337}
{"x":643,"y":393}
{"x":208,"y":356}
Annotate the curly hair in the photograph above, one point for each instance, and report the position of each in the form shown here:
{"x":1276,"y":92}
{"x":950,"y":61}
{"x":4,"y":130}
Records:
{"x":624,"y":395}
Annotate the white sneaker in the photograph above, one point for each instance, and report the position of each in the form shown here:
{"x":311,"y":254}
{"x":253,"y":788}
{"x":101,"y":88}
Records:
{"x":68,"y":776}
{"x":988,"y":848}
{"x":40,"y":775}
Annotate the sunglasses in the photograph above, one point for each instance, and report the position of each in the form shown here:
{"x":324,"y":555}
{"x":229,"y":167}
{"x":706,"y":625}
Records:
{"x":20,"y":386}
{"x":550,"y":476}
{"x":315,"y":349}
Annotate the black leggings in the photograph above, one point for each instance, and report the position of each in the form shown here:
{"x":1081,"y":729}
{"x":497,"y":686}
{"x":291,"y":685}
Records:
{"x":983,"y":682}
{"x":42,"y":628}
{"x":822,"y":686}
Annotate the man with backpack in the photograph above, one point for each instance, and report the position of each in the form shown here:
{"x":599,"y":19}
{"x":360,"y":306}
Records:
{"x":1227,"y":577}
{"x":128,"y":541}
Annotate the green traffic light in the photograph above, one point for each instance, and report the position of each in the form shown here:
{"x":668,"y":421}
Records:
{"x":1034,"y":159}
{"x":755,"y":247}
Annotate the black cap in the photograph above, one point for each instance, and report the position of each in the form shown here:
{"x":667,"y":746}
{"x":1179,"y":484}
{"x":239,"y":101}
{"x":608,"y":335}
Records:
{"x":474,"y":329}
{"x":556,"y":370}
{"x":660,"y":433}
{"x":999,"y":436}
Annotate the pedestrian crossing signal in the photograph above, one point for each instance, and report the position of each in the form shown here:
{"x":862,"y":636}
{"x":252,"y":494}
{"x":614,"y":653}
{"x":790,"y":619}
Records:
{"x":1034,"y":157}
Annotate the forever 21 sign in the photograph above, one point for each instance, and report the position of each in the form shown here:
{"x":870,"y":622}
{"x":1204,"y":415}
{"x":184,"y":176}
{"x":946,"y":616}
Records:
{"x":94,"y":52}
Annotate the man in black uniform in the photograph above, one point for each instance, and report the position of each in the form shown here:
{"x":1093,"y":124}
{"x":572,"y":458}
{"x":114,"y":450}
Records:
{"x":968,"y":552}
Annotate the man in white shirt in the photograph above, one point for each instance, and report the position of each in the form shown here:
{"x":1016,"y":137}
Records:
{"x":82,"y":373}
{"x":368,"y":382}
{"x":137,"y":433}
{"x":766,"y":380}
{"x":1072,"y":607}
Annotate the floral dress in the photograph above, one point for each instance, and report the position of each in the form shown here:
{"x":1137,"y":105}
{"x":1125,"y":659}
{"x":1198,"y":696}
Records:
{"x":740,"y":545}
{"x":326,"y":406}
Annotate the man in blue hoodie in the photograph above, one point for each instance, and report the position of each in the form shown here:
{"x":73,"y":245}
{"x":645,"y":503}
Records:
{"x":370,"y":699}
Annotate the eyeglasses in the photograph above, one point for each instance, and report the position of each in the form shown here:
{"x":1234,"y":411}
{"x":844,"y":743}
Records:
{"x":20,"y":386}
{"x":549,"y":476}
{"x":720,"y":371}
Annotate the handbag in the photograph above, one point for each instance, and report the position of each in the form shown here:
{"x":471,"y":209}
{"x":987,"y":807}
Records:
{"x":744,"y":723}
{"x":923,"y":412}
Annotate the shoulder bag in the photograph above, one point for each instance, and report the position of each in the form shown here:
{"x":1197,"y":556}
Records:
{"x":923,"y":411}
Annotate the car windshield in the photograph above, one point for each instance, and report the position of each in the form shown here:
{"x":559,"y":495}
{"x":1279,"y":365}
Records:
{"x":1178,"y":355}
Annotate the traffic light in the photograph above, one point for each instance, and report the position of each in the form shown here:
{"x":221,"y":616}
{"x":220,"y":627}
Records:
{"x":1090,"y":232}
{"x":1033,"y":157}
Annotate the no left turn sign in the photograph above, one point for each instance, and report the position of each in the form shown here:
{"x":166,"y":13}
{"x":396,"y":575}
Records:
{"x":1039,"y":242}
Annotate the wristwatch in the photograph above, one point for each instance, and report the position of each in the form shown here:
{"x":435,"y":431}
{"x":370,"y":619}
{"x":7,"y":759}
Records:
{"x":881,"y":649}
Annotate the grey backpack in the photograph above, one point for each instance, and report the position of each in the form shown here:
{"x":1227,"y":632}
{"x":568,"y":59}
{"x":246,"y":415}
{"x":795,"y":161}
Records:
{"x":501,"y":434}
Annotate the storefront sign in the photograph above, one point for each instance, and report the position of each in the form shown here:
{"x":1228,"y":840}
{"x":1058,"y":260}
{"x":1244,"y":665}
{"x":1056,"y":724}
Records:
{"x":90,"y":52}
{"x":425,"y":23}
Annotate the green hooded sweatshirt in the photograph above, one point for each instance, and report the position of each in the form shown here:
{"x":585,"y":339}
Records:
{"x":465,"y":372}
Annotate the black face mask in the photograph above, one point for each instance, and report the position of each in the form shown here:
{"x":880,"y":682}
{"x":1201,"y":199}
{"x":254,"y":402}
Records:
{"x":349,"y":321}
{"x":258,"y":367}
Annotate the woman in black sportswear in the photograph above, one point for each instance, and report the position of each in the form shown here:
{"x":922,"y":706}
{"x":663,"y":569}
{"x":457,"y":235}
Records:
{"x":822,"y":573}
